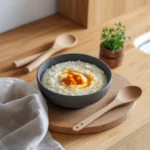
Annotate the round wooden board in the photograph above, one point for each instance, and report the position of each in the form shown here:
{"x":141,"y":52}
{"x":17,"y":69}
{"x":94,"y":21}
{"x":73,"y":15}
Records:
{"x":62,"y":120}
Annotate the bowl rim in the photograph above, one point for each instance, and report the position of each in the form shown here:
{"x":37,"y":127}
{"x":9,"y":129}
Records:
{"x":75,"y":96}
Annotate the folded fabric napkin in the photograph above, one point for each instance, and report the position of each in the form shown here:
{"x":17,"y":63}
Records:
{"x":23,"y":118}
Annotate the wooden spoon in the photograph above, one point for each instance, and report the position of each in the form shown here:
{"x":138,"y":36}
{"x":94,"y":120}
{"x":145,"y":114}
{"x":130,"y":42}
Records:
{"x":62,"y":42}
{"x":126,"y":95}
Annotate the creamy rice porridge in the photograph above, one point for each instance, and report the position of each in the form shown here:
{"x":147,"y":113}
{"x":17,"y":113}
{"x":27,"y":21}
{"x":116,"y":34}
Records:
{"x":74,"y":78}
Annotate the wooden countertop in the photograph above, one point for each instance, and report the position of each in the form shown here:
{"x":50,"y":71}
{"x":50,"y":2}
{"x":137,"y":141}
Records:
{"x":38,"y":36}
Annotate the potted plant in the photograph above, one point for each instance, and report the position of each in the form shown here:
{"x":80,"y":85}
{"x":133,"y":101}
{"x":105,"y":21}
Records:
{"x":112,"y":46}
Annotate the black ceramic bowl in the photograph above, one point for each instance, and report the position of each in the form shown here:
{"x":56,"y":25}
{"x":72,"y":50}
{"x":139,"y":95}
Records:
{"x":73,"y":101}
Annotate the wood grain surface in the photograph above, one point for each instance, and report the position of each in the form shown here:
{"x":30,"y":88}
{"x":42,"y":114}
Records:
{"x":36,"y":37}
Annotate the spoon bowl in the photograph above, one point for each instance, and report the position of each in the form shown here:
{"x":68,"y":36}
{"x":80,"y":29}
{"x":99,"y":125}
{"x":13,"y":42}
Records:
{"x":66,"y":40}
{"x":129,"y":94}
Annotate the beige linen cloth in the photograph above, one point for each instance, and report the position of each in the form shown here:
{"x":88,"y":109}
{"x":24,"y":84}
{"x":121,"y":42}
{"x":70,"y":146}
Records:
{"x":23,"y":118}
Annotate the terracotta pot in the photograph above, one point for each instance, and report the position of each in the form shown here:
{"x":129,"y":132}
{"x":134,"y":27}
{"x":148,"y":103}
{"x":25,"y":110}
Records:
{"x":112,"y":59}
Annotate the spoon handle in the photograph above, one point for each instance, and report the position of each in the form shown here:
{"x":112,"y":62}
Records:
{"x":40,"y":59}
{"x":26,"y":60}
{"x":94,"y":116}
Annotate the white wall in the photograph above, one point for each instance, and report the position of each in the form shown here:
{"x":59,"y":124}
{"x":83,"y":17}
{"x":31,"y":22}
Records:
{"x":14,"y":13}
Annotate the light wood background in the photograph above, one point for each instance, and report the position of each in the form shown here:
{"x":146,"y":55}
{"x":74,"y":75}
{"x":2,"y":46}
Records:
{"x":90,"y":13}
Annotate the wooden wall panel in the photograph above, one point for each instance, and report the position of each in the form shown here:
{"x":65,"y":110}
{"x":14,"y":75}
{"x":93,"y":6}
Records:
{"x":76,"y":10}
{"x":90,"y":13}
{"x":101,"y":11}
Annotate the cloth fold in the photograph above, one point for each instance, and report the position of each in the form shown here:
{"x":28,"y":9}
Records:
{"x":23,"y":118}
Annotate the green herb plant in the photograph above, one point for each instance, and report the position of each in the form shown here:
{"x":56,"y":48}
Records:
{"x":114,"y":38}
